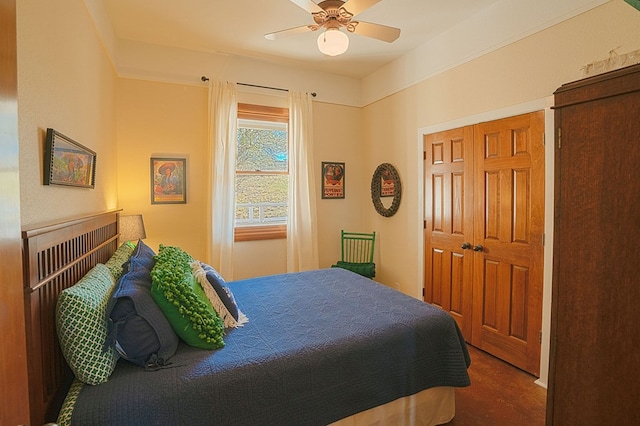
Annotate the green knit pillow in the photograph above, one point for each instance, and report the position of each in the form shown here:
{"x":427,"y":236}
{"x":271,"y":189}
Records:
{"x":82,"y":326}
{"x":121,"y":255}
{"x":183,"y":301}
{"x":66,"y":412}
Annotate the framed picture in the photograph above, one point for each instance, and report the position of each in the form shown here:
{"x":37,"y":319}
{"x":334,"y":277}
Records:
{"x":168,"y":180}
{"x":68,"y":163}
{"x":332,"y":180}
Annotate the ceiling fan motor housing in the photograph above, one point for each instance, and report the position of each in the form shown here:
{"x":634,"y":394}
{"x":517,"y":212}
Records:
{"x":333,"y":14}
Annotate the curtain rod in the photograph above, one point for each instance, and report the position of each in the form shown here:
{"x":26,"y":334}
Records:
{"x":205,"y":78}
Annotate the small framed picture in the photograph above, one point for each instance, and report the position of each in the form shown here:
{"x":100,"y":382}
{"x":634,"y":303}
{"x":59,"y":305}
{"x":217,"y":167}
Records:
{"x":332,"y":180}
{"x":168,"y":180}
{"x":68,"y":163}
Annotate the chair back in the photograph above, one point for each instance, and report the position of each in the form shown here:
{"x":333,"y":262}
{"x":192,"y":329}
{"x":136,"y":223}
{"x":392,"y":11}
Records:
{"x":357,"y":247}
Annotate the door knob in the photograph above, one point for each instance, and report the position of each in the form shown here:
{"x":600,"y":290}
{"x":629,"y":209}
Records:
{"x":478,"y":248}
{"x":465,"y":246}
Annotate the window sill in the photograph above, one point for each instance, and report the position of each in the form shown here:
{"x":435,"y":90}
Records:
{"x":255,"y":233}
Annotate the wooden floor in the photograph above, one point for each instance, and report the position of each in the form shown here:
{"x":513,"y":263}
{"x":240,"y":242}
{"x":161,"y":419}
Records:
{"x":500,"y":394}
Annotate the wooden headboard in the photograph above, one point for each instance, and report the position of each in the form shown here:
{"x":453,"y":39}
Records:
{"x":55,"y":257}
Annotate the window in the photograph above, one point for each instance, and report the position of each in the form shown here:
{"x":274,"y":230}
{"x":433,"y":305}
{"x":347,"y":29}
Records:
{"x":262,"y":173}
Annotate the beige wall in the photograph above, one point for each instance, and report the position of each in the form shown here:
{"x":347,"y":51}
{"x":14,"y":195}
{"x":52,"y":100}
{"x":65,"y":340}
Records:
{"x":524,"y":71}
{"x":165,"y":119}
{"x":66,"y":82}
{"x":338,"y":137}
{"x":390,"y":130}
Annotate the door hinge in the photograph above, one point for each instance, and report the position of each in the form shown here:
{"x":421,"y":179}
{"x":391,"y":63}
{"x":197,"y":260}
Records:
{"x":539,"y":335}
{"x":543,"y":239}
{"x":559,"y":137}
{"x":424,"y":224}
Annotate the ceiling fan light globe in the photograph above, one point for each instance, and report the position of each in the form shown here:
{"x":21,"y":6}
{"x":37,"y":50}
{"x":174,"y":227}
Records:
{"x":333,"y":42}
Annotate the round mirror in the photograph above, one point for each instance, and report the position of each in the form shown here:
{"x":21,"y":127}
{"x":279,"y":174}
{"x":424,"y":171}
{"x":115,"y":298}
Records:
{"x":385,"y":184}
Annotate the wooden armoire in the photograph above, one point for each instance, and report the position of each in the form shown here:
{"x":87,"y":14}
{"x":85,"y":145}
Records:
{"x":594,"y":376}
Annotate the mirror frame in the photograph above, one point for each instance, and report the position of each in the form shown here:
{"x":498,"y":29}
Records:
{"x":376,"y":190}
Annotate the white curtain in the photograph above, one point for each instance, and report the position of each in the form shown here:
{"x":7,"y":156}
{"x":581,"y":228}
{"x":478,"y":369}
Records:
{"x":302,"y":241}
{"x":223,"y":116}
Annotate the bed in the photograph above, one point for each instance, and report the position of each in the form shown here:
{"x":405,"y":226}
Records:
{"x":320,"y":347}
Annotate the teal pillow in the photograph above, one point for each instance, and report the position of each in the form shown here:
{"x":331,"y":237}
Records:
{"x":183,"y":301}
{"x":118,"y":259}
{"x":82,"y":326}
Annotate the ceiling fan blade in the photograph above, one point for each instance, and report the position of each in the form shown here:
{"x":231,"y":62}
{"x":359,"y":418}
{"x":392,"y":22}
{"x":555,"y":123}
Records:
{"x":358,"y":6}
{"x":377,"y":31}
{"x":308,"y":5}
{"x":290,"y":32}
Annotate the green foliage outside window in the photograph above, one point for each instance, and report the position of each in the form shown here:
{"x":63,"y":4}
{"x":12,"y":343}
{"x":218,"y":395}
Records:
{"x":261,"y":194}
{"x":262,"y":149}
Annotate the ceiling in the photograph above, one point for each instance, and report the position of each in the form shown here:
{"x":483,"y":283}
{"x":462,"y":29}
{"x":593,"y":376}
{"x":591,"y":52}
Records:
{"x":237,"y":27}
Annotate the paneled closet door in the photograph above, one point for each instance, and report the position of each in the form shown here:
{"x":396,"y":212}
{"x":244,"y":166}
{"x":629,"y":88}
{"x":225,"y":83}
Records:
{"x":448,"y":168}
{"x":508,"y":241}
{"x":484,"y":224}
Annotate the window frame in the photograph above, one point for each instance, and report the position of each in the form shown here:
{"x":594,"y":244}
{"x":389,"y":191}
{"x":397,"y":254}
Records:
{"x":261,"y":232}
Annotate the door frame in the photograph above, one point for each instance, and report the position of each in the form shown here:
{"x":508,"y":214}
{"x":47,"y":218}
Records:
{"x":544,"y":104}
{"x":14,"y":392}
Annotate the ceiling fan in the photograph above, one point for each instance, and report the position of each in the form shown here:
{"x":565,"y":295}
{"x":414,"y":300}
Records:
{"x":332,"y":15}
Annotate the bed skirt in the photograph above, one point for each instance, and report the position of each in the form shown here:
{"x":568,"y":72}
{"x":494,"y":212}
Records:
{"x":434,"y":406}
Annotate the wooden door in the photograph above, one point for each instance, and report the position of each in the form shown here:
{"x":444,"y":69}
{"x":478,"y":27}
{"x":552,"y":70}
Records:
{"x":449,"y":224}
{"x":484,"y":223}
{"x":508,"y":240}
{"x":14,"y":391}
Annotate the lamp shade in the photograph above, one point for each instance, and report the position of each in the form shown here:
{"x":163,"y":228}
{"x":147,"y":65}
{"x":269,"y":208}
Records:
{"x":333,"y":42}
{"x":132,"y":228}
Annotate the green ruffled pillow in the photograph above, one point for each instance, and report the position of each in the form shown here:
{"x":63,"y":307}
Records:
{"x":183,"y":301}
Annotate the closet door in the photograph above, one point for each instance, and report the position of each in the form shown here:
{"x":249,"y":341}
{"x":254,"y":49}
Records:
{"x":508,"y":246}
{"x":484,"y":224}
{"x":449,"y":223}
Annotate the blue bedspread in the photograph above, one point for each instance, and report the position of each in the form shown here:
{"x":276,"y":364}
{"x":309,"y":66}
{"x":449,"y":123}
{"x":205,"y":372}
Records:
{"x":319,"y":346}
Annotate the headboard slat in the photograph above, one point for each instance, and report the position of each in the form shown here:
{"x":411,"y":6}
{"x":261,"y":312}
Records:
{"x":52,"y":259}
